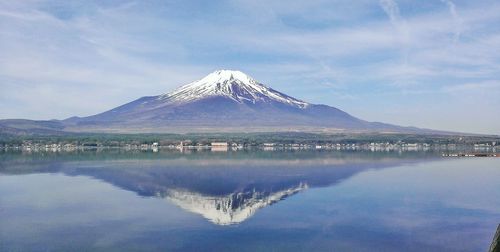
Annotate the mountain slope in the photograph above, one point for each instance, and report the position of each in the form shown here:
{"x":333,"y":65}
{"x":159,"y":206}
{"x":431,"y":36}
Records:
{"x":224,"y":100}
{"x":234,"y":85}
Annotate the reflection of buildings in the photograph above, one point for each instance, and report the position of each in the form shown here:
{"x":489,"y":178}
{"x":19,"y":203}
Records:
{"x":219,"y":148}
{"x":228,"y":209}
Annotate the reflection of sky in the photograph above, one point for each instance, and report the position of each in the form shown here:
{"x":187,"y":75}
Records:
{"x":450,"y":205}
{"x":440,"y":205}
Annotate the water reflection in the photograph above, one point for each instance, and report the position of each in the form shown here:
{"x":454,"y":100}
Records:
{"x":228,"y":209}
{"x":224,"y":188}
{"x":260,"y":201}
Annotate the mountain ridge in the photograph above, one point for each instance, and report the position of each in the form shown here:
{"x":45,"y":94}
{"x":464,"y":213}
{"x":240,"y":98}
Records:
{"x":222,"y":101}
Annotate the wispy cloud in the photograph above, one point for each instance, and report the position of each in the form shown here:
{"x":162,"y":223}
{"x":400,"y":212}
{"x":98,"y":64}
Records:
{"x":456,"y":18}
{"x":392,"y":9}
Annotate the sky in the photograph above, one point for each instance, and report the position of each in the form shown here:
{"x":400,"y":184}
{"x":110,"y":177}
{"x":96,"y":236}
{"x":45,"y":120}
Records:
{"x":431,"y":64}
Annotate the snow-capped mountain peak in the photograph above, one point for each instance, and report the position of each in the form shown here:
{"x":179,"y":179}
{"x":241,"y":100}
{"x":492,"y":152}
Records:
{"x":235,"y":85}
{"x":222,"y":76}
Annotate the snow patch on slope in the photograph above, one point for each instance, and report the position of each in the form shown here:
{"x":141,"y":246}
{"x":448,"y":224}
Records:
{"x":235,"y":85}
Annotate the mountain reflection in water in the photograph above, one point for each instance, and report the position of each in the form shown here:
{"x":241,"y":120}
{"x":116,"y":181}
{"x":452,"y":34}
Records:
{"x":225,"y":188}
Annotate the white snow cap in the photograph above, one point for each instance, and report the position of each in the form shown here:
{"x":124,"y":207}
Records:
{"x":233,"y":84}
{"x":220,"y":76}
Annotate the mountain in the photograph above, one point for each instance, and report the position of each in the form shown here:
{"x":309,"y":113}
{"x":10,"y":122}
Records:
{"x":224,"y":100}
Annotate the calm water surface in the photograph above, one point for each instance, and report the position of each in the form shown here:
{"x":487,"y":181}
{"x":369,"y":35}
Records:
{"x":247,"y":201}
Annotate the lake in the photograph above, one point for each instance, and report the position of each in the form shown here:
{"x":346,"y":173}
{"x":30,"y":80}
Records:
{"x":247,"y":200}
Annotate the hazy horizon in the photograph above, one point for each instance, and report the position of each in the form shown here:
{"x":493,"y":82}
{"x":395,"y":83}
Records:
{"x":430,"y":64}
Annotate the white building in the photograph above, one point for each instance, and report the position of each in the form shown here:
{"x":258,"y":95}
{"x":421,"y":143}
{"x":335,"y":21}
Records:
{"x":219,"y":144}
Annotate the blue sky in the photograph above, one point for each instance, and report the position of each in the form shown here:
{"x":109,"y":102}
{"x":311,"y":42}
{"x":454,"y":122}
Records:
{"x":432,"y":64}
